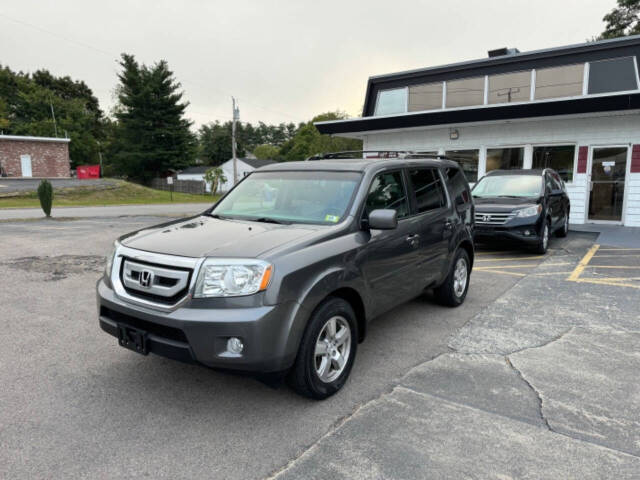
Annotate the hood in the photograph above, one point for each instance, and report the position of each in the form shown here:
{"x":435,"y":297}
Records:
{"x":203,"y":236}
{"x":503,"y":204}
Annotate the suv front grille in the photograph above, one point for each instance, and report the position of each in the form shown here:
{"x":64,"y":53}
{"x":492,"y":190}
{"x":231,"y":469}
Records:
{"x":163,"y":284}
{"x":493,"y":218}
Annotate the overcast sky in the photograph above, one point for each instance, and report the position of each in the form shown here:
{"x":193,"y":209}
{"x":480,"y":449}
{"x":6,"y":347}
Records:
{"x":284,"y":60}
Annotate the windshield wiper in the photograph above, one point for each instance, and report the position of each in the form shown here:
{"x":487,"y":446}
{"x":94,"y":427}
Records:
{"x":219,"y":217}
{"x":270,"y":220}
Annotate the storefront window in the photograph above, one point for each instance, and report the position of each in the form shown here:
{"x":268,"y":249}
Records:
{"x":465,"y":93}
{"x":468,"y":160}
{"x":559,"y":158}
{"x":391,"y":101}
{"x":559,"y":82}
{"x":505,"y":158}
{"x":510,"y":87}
{"x":425,"y":97}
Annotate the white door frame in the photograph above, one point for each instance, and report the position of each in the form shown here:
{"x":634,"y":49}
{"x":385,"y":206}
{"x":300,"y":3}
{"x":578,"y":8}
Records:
{"x":626,"y":182}
{"x":23,"y":160}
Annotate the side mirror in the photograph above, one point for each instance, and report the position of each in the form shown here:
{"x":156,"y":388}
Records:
{"x":383,"y":219}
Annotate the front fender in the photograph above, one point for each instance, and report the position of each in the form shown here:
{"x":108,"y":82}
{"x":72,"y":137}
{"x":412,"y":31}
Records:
{"x":312,"y":292}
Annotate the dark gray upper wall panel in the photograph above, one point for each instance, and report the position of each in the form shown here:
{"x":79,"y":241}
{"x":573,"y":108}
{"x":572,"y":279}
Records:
{"x":589,"y":52}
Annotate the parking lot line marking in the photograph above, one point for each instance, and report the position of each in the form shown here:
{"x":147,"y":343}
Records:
{"x":497,"y":259}
{"x":583,"y":263}
{"x":613,"y":266}
{"x":599,"y":281}
{"x":549,"y":273}
{"x":491,"y":267}
{"x":619,"y":249}
{"x":502,"y":272}
{"x":630,"y":255}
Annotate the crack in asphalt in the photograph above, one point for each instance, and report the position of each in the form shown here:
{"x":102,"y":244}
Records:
{"x":533,"y":389}
{"x":541,"y":345}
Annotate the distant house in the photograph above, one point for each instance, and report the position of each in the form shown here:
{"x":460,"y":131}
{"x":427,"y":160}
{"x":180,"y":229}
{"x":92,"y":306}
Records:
{"x":245,"y":166}
{"x":22,"y":156}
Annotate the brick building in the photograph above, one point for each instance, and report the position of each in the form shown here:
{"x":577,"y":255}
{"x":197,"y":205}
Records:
{"x":34,"y":156}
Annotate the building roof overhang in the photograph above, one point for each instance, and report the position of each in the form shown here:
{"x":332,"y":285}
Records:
{"x":576,"y":106}
{"x":26,"y":138}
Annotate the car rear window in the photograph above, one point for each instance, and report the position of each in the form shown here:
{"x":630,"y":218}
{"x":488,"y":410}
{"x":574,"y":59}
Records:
{"x":428,"y":189}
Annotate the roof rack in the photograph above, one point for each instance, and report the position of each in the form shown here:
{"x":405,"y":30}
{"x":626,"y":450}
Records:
{"x":376,"y":154}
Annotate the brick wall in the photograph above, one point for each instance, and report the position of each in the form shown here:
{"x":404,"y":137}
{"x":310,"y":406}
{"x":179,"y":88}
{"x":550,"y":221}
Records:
{"x":48,"y":158}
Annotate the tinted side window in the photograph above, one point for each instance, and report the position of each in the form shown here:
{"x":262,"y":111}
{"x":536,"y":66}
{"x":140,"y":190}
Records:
{"x":458,"y":187}
{"x":428,"y":189}
{"x":387,"y":191}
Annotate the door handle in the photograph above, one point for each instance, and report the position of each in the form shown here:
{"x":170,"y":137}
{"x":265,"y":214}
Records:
{"x":412,"y":239}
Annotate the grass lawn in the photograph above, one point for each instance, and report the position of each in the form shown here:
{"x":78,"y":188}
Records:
{"x":121,"y":193}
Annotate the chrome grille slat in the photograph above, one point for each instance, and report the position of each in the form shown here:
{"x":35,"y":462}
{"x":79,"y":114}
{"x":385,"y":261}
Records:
{"x":493,"y":218}
{"x":132,"y":273}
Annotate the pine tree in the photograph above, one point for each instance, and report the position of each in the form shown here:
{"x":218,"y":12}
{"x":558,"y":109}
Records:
{"x":152,"y":135}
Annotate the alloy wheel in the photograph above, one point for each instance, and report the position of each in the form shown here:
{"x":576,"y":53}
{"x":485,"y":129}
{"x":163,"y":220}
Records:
{"x":333,"y":347}
{"x":460,"y":277}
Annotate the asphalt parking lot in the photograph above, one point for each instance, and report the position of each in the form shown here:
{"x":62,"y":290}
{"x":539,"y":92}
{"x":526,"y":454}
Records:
{"x":535,"y":376}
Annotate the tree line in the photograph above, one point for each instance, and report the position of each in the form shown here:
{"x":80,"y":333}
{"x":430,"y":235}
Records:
{"x":147,"y":133}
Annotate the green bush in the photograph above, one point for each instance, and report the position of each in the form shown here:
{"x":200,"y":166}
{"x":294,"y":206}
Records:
{"x":45,"y":194}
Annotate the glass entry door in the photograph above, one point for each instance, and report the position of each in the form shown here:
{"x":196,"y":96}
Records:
{"x":608,"y":170}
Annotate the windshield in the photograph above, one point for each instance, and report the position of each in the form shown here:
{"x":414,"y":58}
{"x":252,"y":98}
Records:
{"x":291,"y":197}
{"x":509,"y":186}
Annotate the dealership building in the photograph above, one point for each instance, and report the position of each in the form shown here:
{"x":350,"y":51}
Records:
{"x":575,"y":109}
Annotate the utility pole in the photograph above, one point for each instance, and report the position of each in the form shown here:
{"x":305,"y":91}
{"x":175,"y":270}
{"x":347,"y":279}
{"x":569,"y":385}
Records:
{"x":236,"y":117}
{"x":55,"y":125}
{"x":100,"y":155}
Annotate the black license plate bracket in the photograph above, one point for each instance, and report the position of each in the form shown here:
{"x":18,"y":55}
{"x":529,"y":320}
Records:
{"x":133,"y":339}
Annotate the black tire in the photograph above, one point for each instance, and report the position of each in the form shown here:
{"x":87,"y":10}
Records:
{"x":448,"y":293}
{"x":543,"y":245}
{"x":304,"y":377}
{"x":564,"y":229}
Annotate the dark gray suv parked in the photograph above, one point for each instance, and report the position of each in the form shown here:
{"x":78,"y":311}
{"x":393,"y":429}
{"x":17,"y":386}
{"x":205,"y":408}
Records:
{"x":284,"y":273}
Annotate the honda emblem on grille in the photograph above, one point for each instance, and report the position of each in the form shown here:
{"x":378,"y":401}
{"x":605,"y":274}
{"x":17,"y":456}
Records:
{"x":486,"y":218}
{"x":146,"y":278}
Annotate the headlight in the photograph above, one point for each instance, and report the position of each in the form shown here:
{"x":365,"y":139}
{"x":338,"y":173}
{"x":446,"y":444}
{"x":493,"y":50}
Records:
{"x":109,"y":260}
{"x":224,"y":277}
{"x":529,"y":211}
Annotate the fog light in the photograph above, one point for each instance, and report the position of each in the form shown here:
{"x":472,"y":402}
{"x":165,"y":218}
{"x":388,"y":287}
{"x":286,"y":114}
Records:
{"x":527,"y":233}
{"x":234,"y":345}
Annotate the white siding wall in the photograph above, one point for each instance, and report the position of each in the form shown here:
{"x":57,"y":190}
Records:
{"x":633,"y":201}
{"x":586,"y":131}
{"x":227,"y":168}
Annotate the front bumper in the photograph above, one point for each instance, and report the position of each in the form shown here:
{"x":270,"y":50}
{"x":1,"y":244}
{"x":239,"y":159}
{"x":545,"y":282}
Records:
{"x":199,"y":335}
{"x":517,"y":233}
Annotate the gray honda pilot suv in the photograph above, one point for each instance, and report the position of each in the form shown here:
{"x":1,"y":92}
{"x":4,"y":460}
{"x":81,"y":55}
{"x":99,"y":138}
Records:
{"x":283,"y":274}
